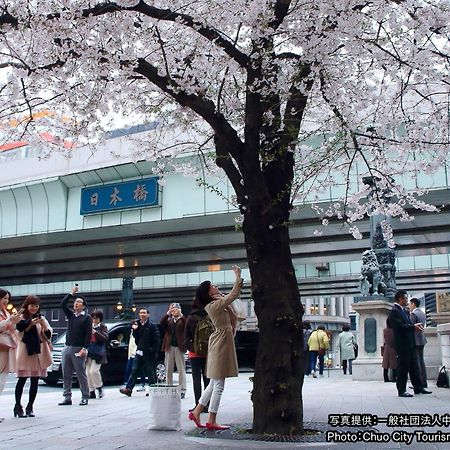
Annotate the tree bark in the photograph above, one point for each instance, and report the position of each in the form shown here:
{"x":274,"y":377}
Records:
{"x":278,"y":380}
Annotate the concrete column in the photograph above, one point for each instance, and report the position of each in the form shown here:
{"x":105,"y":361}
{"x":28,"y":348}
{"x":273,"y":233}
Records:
{"x":340,"y":306}
{"x":346,"y":306}
{"x":333,"y":306}
{"x":321,"y":306}
{"x":307,"y":306}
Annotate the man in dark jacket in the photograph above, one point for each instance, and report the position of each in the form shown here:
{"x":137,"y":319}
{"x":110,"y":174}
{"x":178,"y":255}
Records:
{"x":79,"y":330}
{"x":404,"y":345}
{"x":146,"y":335}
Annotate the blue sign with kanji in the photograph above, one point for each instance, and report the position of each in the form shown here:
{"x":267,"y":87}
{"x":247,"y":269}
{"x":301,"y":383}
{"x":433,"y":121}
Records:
{"x":112,"y":197}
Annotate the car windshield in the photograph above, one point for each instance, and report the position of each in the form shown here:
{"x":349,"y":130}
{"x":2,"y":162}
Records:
{"x":62,"y":339}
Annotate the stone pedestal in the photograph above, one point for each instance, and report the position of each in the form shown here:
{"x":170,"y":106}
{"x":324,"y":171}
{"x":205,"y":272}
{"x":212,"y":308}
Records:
{"x":432,"y":354}
{"x":443,"y":331}
{"x":373,"y":312}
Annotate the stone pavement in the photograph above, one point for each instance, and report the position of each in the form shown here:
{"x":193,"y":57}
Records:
{"x":119,"y":422}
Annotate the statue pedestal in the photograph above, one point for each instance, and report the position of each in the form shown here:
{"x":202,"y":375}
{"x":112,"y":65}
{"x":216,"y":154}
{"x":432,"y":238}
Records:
{"x":443,"y":331}
{"x":432,"y":353}
{"x":373,"y":312}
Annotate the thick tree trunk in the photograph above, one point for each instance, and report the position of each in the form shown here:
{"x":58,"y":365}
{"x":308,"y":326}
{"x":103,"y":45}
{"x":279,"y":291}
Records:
{"x":278,"y":381}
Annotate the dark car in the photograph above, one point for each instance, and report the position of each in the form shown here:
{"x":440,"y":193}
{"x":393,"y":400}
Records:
{"x":246,"y":342}
{"x":117,"y":353}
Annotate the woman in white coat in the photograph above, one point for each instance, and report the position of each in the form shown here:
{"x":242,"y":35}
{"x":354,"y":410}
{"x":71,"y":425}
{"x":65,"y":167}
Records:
{"x":347,"y":348}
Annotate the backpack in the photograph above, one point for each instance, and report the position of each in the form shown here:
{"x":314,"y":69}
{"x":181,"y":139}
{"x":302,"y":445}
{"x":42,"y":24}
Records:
{"x":203,"y":331}
{"x":442,"y":379}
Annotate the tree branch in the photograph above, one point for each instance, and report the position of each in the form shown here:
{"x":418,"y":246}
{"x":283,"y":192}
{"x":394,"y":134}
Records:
{"x":166,"y":15}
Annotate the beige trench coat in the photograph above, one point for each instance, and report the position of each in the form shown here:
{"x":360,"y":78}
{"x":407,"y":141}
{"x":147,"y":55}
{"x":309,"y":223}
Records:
{"x":7,"y":359}
{"x":34,"y":365}
{"x":221,"y":360}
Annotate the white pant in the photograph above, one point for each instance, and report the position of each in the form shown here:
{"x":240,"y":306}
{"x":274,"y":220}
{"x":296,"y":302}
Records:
{"x":3,"y":377}
{"x":93,"y":374}
{"x":175,"y":356}
{"x":213,"y":394}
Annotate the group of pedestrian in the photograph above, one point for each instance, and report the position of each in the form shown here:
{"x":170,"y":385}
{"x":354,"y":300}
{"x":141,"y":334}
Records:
{"x":316,"y":343}
{"x":207,"y":333}
{"x":408,"y":340}
{"x":25,"y":349}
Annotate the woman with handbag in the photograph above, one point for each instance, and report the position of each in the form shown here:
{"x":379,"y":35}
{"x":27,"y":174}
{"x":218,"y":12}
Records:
{"x":33,"y":353}
{"x":318,"y":344}
{"x":8,"y":339}
{"x":96,"y":354}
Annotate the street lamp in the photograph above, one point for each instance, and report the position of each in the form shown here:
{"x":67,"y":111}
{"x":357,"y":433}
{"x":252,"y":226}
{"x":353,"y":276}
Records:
{"x":125,"y":306}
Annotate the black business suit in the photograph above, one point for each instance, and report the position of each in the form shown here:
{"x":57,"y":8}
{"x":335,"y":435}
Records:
{"x":404,"y":345}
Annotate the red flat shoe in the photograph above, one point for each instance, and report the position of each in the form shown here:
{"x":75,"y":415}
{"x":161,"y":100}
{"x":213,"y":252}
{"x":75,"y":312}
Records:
{"x":214,"y":426}
{"x":194,"y":419}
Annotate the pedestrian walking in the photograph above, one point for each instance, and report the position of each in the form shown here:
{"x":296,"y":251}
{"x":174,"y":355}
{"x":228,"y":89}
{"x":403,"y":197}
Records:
{"x":146,"y":335}
{"x":79,"y":331}
{"x":196,"y":341}
{"x":33,"y":353}
{"x":221,"y":362}
{"x":96,"y":355}
{"x":8,"y":339}
{"x":318,"y":344}
{"x":173,"y":324}
{"x":346,"y":344}
{"x":306,"y":334}
{"x":132,"y":347}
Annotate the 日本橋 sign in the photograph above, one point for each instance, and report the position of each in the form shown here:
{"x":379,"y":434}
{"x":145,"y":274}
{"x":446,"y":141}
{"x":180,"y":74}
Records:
{"x":116,"y":196}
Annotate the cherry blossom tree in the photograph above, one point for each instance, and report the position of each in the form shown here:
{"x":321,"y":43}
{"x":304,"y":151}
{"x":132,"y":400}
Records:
{"x":284,"y":96}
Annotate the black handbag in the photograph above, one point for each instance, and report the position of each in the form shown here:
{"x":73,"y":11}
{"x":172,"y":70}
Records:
{"x":442,"y":379}
{"x":355,"y":349}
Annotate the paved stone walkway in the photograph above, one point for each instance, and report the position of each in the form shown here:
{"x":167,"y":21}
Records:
{"x":119,"y":422}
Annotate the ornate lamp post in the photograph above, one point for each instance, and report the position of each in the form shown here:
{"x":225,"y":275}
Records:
{"x":125,"y":306}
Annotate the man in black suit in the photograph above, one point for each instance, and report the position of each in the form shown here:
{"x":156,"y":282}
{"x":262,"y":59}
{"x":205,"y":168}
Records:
{"x":146,"y":335}
{"x":404,"y":344}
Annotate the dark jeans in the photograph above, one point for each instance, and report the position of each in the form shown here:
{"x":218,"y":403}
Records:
{"x":142,"y":365}
{"x":347,"y":363}
{"x":128,"y":370}
{"x":312,"y":361}
{"x":198,"y":366}
{"x":407,"y":363}
{"x":306,"y":362}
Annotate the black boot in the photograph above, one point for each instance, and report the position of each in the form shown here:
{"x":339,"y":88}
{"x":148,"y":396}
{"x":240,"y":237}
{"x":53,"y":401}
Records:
{"x":92,"y":394}
{"x":100,"y":392}
{"x":29,"y":410}
{"x":18,"y":411}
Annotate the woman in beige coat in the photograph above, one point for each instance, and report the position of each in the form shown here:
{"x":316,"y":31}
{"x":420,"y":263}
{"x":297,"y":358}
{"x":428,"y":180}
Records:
{"x":8,"y":332}
{"x":33,"y":353}
{"x":221,"y":360}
